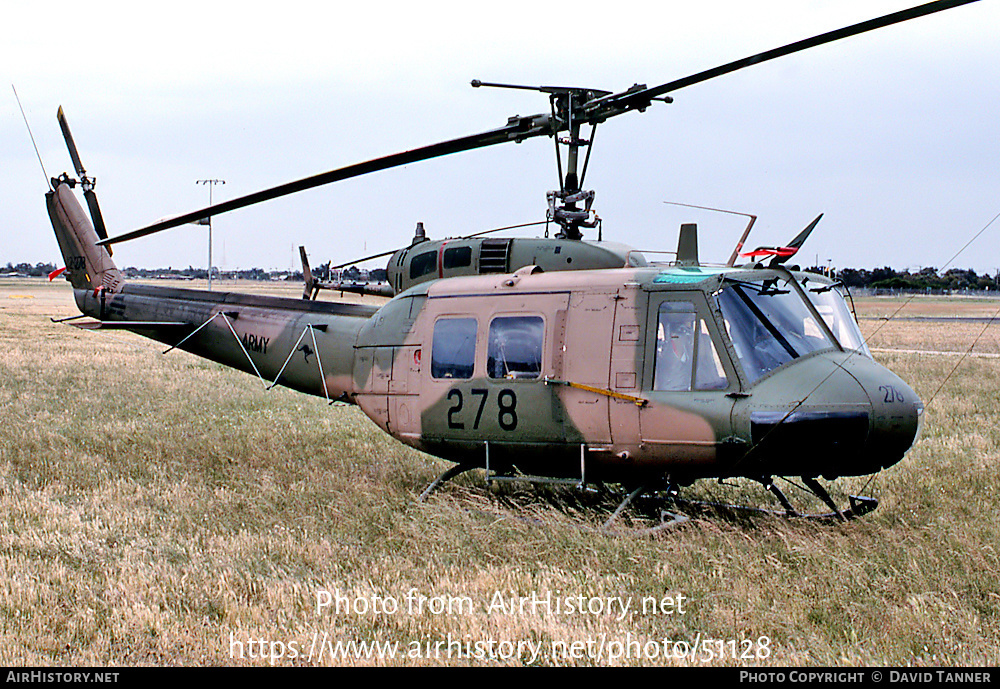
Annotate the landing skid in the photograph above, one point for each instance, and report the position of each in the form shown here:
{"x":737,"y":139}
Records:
{"x":664,"y":508}
{"x":669,"y":508}
{"x":667,"y":519}
{"x":446,"y":476}
{"x":859,"y":505}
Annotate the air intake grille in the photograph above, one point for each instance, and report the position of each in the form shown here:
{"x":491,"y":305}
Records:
{"x":493,"y":255}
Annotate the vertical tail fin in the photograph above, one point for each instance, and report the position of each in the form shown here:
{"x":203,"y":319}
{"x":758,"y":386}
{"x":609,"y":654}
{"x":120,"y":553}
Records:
{"x":88,"y":266}
{"x":687,"y":245}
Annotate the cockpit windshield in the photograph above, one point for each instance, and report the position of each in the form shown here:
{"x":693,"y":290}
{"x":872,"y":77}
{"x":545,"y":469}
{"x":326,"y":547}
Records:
{"x":829,"y":301}
{"x":770,"y":324}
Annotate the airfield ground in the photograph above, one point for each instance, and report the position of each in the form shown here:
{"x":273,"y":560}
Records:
{"x":165,"y":510}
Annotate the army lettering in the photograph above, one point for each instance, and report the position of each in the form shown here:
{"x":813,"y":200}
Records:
{"x":255,"y":343}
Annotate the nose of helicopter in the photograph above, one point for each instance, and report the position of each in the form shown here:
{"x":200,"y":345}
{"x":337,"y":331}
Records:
{"x":897,"y":412}
{"x":845,"y":415}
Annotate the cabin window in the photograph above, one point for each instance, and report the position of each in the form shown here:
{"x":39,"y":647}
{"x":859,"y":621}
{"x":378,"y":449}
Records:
{"x":515,"y":347}
{"x":457,"y":257}
{"x":422,"y":264}
{"x":453,"y":352}
{"x":686,"y":357}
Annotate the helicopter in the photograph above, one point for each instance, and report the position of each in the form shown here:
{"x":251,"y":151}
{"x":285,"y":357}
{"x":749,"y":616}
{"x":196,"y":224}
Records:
{"x":646,"y":375}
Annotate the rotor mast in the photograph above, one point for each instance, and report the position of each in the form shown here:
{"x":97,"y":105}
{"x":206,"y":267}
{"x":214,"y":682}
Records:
{"x":567,"y":114}
{"x":563,"y":208}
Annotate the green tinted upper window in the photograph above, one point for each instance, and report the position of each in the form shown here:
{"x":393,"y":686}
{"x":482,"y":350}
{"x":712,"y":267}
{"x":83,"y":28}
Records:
{"x":457,"y":257}
{"x":422,"y":264}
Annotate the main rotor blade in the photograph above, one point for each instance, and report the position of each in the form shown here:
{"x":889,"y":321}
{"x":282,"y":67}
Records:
{"x":520,"y":128}
{"x":796,"y":243}
{"x":362,"y":260}
{"x":501,"y":229}
{"x":517,"y":128}
{"x":640,"y":99}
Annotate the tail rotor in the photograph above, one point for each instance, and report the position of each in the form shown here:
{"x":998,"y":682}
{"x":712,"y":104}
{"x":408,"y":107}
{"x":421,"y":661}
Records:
{"x":88,"y":265}
{"x":87,"y":183}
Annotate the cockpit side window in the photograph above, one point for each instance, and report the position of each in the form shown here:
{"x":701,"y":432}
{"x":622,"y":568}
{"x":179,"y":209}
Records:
{"x":674,"y":346}
{"x":514,"y":348}
{"x":709,"y":373}
{"x":686,"y":356}
{"x":829,"y":302}
{"x":453,"y":352}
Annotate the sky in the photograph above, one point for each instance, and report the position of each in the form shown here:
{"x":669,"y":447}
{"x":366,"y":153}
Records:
{"x":893,"y":134}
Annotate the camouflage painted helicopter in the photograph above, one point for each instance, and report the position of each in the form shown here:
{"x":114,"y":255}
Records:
{"x":651,"y":376}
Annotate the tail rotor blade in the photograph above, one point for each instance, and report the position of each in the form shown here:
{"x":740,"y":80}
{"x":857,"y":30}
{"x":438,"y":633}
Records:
{"x":88,"y":183}
{"x":95,"y":214}
{"x":70,"y":144}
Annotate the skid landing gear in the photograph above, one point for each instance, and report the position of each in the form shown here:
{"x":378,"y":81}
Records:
{"x":446,"y":476}
{"x":657,"y":505}
{"x":859,"y":505}
{"x":580,"y":497}
{"x":665,"y":517}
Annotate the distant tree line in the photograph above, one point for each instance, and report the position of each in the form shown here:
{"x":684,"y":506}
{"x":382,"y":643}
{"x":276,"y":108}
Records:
{"x":924,"y":280}
{"x":37,"y":270}
{"x":192,"y":273}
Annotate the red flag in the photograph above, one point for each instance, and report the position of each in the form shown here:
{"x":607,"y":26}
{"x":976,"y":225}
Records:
{"x":56,"y":273}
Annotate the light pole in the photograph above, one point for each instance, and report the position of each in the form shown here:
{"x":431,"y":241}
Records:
{"x":208,"y":221}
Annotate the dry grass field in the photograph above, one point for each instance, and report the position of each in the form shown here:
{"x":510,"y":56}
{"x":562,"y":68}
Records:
{"x":163,"y":510}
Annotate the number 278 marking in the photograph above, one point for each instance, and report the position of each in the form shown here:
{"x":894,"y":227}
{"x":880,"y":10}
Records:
{"x":506,"y":408}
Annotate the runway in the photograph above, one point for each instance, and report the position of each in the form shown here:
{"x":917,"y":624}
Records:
{"x":936,"y":352}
